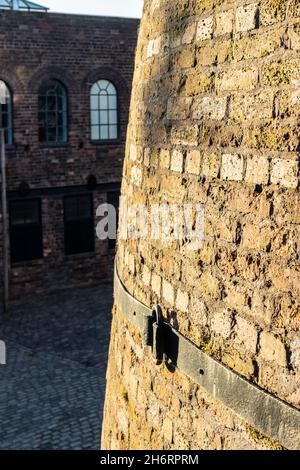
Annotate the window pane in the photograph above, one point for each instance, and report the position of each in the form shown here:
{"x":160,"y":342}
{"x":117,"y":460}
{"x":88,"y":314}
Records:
{"x":95,"y":117}
{"x":51,"y":134}
{"x":4,"y":120}
{"x":79,"y":225}
{"x":8,"y":136}
{"x":42,"y":134}
{"x":84,"y":207}
{"x":61,"y":104}
{"x":95,"y":133}
{"x":113,"y":132}
{"x":51,"y":103}
{"x":26,"y":239}
{"x":24,"y":212}
{"x":94,"y":102}
{"x":103,"y":102}
{"x":62,"y":134}
{"x":103,"y":84}
{"x":111,"y":89}
{"x":51,"y":119}
{"x":104,"y":117}
{"x":113,"y":117}
{"x":70,"y":208}
{"x":95,"y":89}
{"x":104,"y":132}
{"x":112,"y":102}
{"x":60,"y":119}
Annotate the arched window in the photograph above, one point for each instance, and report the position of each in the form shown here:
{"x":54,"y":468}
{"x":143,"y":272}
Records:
{"x":53,"y":119}
{"x":6,"y":112}
{"x":104,"y":111}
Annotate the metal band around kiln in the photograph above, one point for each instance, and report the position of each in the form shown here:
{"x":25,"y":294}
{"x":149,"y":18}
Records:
{"x":268,"y":414}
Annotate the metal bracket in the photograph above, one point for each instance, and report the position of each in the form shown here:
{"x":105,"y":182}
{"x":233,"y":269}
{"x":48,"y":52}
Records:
{"x":269,"y":415}
{"x":157,"y":338}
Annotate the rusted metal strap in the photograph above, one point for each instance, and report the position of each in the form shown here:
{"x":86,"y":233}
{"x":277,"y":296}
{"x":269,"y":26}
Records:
{"x":269,"y":415}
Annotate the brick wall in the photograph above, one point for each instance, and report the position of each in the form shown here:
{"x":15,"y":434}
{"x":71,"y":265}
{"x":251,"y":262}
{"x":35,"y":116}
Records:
{"x":214,"y":120}
{"x":78,"y":51}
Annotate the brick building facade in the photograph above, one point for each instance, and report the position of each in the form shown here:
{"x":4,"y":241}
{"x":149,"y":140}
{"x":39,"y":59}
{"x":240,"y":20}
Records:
{"x":67,"y":82}
{"x":214,"y":121}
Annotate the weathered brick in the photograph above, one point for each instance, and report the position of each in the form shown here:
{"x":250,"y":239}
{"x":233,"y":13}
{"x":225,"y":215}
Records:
{"x":248,"y":107}
{"x":197,"y":81}
{"x":133,"y":152}
{"x":257,"y":170}
{"x":189,"y":34}
{"x":187,"y":134}
{"x":177,"y":161}
{"x":246,"y":17}
{"x":168,"y":292}
{"x":156,"y":284}
{"x":205,"y":29}
{"x":193,"y":161}
{"x":239,"y":79}
{"x":295,"y":353}
{"x":165,"y":159}
{"x":146,"y":276}
{"x":285,"y":172}
{"x":221,"y":323}
{"x":232,"y":167}
{"x":212,"y":54}
{"x":280,"y":72}
{"x":184,"y":59}
{"x":168,"y":429}
{"x":246,"y":334}
{"x":179,"y":108}
{"x":209,"y":284}
{"x":136,"y":175}
{"x":182,"y":301}
{"x":224,"y":22}
{"x":209,"y":107}
{"x":272,"y":349}
{"x":260,"y":45}
{"x":211,"y":165}
{"x":272,"y":11}
{"x":154,"y":46}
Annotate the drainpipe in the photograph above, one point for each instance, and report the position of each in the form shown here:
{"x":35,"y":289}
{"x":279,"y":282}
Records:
{"x":5,"y":225}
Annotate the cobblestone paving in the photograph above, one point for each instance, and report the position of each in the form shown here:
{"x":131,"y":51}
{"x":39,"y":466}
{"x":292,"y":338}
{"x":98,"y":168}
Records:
{"x":52,"y":388}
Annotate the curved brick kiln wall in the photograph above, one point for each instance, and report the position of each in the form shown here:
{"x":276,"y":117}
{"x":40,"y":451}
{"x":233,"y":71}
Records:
{"x":214,"y":119}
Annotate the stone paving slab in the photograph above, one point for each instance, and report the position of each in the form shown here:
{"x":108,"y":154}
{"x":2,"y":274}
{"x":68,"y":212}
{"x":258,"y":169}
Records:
{"x":52,"y":388}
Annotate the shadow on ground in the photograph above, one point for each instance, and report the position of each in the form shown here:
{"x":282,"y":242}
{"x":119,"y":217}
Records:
{"x":52,"y":387}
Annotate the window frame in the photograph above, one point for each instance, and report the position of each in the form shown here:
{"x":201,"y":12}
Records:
{"x":118,"y":125}
{"x":10,"y":128}
{"x":92,"y":219}
{"x":27,"y":225}
{"x":54,"y":143}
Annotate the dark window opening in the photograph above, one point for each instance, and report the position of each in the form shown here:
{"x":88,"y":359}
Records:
{"x":79,"y":224}
{"x":53,"y":121}
{"x":26,"y":237}
{"x":113,"y":198}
